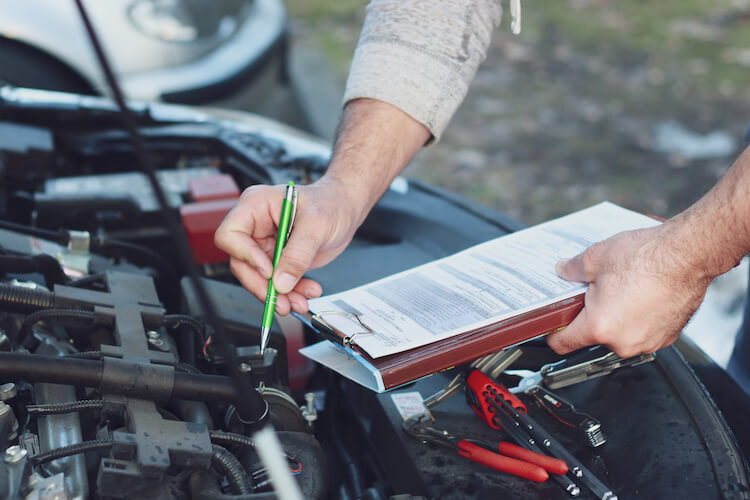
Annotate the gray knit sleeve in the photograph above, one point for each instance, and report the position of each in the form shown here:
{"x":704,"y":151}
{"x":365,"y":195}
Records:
{"x":421,"y":55}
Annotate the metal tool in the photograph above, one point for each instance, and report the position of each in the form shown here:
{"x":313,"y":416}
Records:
{"x":596,"y":362}
{"x":490,"y":394}
{"x":588,"y":429}
{"x":511,"y":459}
{"x":478,"y":388}
{"x":492,"y":364}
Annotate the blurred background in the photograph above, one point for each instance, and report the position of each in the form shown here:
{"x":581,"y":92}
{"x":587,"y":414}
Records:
{"x":640,"y":103}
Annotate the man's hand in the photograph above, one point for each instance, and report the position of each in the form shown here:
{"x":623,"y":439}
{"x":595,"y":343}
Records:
{"x":325,"y":223}
{"x":641,"y":294}
{"x":376,"y":140}
{"x":646,"y":284}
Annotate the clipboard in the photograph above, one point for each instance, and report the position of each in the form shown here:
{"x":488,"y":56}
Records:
{"x":390,"y":372}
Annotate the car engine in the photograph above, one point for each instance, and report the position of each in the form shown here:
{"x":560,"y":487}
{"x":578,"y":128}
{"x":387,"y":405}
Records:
{"x":112,"y":385}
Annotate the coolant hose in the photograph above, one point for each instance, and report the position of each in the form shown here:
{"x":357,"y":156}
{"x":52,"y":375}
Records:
{"x":88,"y":373}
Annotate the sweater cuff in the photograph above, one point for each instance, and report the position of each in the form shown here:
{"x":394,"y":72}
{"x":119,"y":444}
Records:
{"x":427,"y":88}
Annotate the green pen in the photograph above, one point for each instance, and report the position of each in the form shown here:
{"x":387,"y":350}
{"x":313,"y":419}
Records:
{"x":286,"y":221}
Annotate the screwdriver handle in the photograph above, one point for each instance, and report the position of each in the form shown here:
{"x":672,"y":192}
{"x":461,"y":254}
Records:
{"x":485,"y":457}
{"x":550,"y":464}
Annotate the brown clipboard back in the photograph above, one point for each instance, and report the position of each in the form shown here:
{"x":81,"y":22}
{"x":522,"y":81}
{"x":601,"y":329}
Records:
{"x":404,"y":367}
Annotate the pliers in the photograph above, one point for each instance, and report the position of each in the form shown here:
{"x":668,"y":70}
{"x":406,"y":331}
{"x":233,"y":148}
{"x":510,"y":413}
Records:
{"x":510,"y":458}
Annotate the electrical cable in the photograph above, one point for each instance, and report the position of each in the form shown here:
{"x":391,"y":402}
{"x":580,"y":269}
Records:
{"x":60,"y":237}
{"x":253,"y":409}
{"x":231,"y":468}
{"x":73,"y":449}
{"x":231,"y":438}
{"x":68,"y":407}
{"x":18,"y":299}
{"x":24,"y":333}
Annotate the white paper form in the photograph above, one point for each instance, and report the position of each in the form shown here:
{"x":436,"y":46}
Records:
{"x":479,"y":286}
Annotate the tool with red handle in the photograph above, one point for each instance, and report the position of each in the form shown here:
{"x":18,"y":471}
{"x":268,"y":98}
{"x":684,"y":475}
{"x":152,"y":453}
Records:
{"x":482,"y":393}
{"x":520,"y":468}
{"x":529,"y":467}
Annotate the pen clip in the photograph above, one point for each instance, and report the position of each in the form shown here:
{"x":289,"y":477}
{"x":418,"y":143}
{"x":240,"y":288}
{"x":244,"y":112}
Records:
{"x":294,"y":211}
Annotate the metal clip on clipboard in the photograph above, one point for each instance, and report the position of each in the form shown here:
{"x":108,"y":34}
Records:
{"x":319,"y":325}
{"x":345,"y":340}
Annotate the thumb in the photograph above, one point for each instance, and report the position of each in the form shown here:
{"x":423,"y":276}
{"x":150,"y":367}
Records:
{"x":575,"y":336}
{"x":296,"y":259}
{"x":572,"y":269}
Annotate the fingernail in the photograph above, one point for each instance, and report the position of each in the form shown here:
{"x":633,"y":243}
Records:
{"x":285,"y":282}
{"x":560,"y":265}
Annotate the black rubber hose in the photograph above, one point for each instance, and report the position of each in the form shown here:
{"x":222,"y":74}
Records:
{"x":68,"y":407}
{"x":97,"y":355}
{"x":17,"y":299}
{"x":16,"y":366}
{"x":85,"y":355}
{"x":25,"y":331}
{"x":46,"y":265}
{"x":87,"y":280}
{"x":203,"y":486}
{"x":73,"y":449}
{"x":231,"y":468}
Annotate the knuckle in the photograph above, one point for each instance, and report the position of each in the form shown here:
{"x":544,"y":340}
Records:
{"x":255,"y":190}
{"x":591,"y":258}
{"x":600,"y":332}
{"x":627,"y":351}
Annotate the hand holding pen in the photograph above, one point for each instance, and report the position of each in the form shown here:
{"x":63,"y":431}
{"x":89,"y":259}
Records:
{"x":323,"y":226}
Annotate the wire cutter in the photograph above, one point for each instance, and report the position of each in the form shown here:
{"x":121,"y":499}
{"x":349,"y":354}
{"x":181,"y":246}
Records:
{"x":510,"y":458}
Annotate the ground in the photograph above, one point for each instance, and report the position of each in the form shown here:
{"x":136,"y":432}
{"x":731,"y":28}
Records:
{"x":640,"y":103}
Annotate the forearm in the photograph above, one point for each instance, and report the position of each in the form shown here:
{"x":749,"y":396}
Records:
{"x":714,"y":233}
{"x":375,"y":142}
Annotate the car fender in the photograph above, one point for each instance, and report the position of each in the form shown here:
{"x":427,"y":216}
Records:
{"x":42,"y":24}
